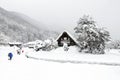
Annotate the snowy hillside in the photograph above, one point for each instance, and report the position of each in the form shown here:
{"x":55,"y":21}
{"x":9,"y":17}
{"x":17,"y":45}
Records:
{"x":18,"y":27}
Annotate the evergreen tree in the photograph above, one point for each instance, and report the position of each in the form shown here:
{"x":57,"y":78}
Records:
{"x":90,"y":36}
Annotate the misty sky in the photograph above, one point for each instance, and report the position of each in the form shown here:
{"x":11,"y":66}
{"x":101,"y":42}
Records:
{"x":64,"y":14}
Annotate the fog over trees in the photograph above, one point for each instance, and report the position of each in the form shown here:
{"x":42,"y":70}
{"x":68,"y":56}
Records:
{"x":17,"y":27}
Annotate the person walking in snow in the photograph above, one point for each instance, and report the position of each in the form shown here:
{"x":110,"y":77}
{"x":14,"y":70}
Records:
{"x":19,"y":51}
{"x":10,"y":55}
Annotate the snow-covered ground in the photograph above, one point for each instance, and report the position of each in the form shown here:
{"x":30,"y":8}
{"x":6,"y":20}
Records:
{"x":22,"y":68}
{"x":112,"y":57}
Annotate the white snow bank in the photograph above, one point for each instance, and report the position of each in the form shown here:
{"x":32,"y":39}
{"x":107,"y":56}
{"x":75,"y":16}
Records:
{"x":112,"y":57}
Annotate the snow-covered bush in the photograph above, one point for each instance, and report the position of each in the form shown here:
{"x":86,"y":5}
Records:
{"x":65,"y":47}
{"x":50,"y":44}
{"x":39,"y":44}
{"x":90,"y":36}
{"x":113,"y":44}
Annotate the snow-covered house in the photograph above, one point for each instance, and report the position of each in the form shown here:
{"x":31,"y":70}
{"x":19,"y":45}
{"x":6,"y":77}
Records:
{"x":66,"y":37}
{"x":30,"y":44}
{"x":18,"y":44}
{"x":33,"y":44}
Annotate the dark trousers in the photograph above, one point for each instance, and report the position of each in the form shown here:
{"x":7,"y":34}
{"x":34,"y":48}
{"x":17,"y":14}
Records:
{"x":10,"y":58}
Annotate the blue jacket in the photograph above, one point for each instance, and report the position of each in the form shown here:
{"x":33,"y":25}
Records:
{"x":10,"y":55}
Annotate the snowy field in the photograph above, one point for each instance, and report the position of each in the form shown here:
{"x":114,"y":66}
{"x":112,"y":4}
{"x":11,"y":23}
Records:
{"x":22,"y":68}
{"x":112,"y":57}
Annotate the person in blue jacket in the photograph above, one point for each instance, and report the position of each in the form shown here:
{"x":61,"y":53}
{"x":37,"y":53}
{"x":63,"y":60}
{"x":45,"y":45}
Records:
{"x":10,"y":55}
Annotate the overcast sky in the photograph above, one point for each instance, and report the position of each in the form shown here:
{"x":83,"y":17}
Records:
{"x":64,"y":14}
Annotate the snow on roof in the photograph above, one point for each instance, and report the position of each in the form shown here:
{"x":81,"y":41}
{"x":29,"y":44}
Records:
{"x":39,"y":41}
{"x":34,"y":42}
{"x":69,"y":35}
{"x":14,"y":43}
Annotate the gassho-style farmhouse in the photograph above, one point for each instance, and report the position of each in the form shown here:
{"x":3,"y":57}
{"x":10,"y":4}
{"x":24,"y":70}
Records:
{"x":66,"y":37}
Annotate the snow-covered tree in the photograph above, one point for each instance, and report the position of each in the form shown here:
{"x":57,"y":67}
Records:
{"x":3,"y":38}
{"x":90,"y":36}
{"x":50,"y":44}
